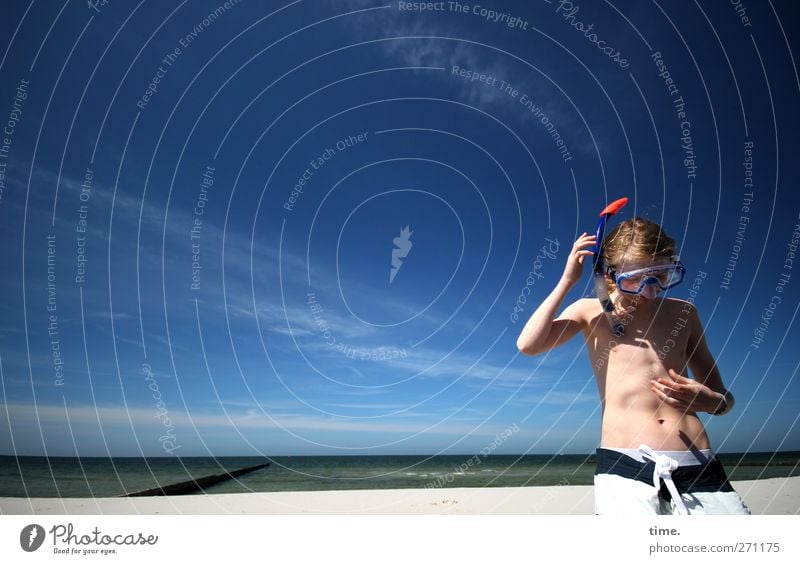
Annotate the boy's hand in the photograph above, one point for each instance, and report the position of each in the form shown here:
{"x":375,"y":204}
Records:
{"x":688,"y":395}
{"x":574,"y":268}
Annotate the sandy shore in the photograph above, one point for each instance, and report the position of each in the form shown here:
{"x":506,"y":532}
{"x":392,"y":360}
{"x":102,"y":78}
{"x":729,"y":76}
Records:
{"x":774,"y":496}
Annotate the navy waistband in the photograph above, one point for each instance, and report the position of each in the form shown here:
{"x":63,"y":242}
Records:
{"x":708,"y":477}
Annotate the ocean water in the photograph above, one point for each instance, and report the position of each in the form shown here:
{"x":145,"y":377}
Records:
{"x":102,"y":477}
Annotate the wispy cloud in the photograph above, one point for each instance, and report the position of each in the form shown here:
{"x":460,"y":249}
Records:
{"x":54,"y":417}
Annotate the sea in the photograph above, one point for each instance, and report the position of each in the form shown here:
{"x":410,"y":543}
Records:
{"x":31,"y":476}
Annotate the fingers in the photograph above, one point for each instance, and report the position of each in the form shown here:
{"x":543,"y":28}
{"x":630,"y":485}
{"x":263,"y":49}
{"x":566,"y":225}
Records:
{"x":677,"y":396}
{"x":582,"y":254}
{"x":689,"y":387}
{"x":676,"y":402}
{"x":677,"y":376}
{"x":672,"y":390}
{"x":584,"y":238}
{"x":577,"y":257}
{"x":675,"y":379}
{"x":670,"y":384}
{"x":578,"y":249}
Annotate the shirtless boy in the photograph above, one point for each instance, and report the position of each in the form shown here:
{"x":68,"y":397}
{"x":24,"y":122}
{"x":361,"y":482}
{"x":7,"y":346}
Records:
{"x":655,"y":456}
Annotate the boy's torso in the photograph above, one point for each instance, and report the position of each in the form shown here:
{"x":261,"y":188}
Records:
{"x":655,"y":339}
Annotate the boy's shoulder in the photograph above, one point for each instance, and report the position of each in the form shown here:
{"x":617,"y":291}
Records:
{"x":584,"y":303}
{"x":686,"y":306}
{"x":583,"y":309}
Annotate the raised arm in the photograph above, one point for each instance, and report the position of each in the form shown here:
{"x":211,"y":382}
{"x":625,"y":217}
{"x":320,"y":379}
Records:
{"x":542,"y":332}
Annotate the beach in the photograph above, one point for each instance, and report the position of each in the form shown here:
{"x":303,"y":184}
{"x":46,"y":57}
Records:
{"x":770,"y":496}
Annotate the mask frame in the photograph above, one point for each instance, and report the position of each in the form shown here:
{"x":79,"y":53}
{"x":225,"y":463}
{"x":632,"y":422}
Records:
{"x":621,"y":277}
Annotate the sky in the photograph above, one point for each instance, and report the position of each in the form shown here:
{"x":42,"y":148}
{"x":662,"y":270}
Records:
{"x":318,"y":227}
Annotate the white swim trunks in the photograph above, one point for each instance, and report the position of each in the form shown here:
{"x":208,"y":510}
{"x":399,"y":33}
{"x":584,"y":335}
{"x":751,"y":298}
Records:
{"x":647,"y":482}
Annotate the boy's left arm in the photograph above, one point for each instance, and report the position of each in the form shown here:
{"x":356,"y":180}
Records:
{"x":702,"y":364}
{"x":706,"y":392}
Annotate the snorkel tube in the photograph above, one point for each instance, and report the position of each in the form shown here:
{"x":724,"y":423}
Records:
{"x":598,"y":270}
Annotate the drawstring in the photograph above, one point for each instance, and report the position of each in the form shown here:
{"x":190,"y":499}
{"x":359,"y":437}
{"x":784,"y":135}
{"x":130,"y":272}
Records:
{"x":663,"y":470}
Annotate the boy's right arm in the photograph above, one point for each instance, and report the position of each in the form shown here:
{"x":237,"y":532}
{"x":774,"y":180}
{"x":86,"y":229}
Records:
{"x":543,"y":332}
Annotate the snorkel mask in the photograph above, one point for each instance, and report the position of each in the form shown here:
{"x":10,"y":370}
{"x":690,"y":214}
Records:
{"x":598,"y":272}
{"x":641,"y":281}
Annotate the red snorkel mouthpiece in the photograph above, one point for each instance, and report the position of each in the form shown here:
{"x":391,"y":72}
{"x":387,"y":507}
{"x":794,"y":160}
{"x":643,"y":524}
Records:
{"x":614,"y":206}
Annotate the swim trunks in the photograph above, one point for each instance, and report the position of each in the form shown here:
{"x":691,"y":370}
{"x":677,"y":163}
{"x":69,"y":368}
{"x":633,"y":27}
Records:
{"x":647,"y":482}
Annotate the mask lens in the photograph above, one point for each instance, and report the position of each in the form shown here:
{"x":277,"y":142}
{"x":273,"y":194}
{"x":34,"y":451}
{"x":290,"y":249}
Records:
{"x":630,"y":283}
{"x":668,"y":278}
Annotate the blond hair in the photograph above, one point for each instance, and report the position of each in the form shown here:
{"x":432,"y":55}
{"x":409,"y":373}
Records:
{"x":635,"y":239}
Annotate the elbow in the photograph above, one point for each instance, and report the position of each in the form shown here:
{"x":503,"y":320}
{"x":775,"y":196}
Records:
{"x":526,"y":349}
{"x":731,"y":400}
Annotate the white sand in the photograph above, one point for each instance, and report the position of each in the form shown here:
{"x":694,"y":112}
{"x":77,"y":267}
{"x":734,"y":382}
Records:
{"x":773,"y":496}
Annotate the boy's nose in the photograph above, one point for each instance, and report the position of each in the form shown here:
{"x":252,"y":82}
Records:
{"x":650,"y":291}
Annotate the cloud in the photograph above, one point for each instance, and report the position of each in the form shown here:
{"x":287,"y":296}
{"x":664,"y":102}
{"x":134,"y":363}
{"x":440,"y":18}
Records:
{"x":55,"y":417}
{"x":424,"y":41}
{"x":444,"y":49}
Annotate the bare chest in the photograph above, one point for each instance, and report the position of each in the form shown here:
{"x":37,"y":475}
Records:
{"x":648,"y":347}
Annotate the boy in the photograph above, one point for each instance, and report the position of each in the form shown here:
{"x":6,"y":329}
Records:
{"x":654,"y":456}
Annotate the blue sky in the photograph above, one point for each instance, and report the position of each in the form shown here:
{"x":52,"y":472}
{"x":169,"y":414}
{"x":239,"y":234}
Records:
{"x":291,"y":338}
